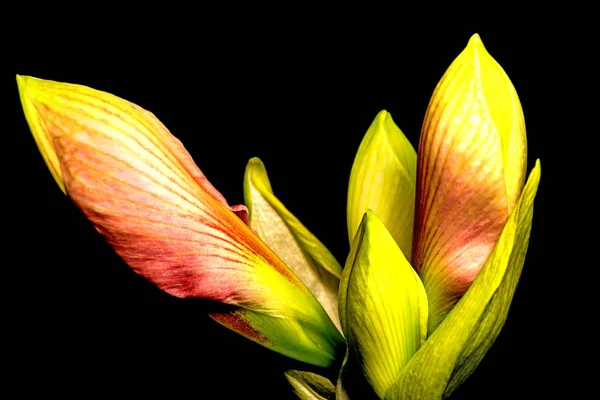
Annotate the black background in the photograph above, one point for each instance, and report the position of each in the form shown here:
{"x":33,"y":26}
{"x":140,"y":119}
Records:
{"x":299,"y":95}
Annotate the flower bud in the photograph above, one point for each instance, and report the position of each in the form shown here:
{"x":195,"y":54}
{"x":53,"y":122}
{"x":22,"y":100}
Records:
{"x":470,"y":172}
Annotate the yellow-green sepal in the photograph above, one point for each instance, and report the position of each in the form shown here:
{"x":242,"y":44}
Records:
{"x":290,"y":240}
{"x":383,"y":306}
{"x":310,"y":386}
{"x":383,"y":179}
{"x":457,"y":346}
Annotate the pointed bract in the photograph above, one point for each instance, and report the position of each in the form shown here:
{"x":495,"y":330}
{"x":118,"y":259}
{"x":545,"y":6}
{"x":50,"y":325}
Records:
{"x":383,"y":179}
{"x":471,"y":169}
{"x":141,"y":189}
{"x":383,"y":306}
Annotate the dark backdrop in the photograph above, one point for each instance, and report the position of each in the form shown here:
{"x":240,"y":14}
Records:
{"x":298,"y":95}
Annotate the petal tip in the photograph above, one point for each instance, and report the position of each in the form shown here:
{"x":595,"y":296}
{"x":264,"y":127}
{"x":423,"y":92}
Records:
{"x":537,"y":169}
{"x":22,"y":85}
{"x":383,"y":118}
{"x":475,"y":39}
{"x":20,"y":81}
{"x":382,"y":115}
{"x":255,"y":162}
{"x":476,"y":47}
{"x":372,"y":222}
{"x":257,"y":172}
{"x":369,"y":218}
{"x":26,"y":84}
{"x":370,"y":215}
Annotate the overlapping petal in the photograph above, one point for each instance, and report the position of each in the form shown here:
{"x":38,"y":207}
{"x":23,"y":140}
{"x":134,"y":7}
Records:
{"x":277,"y":282}
{"x":470,"y":172}
{"x":383,"y":180}
{"x":455,"y":349}
{"x":383,"y":305}
{"x":140,"y":188}
{"x":291,"y":240}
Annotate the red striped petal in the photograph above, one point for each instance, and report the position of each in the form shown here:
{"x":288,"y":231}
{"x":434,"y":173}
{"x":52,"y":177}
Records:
{"x":141,"y":189}
{"x":470,"y":169}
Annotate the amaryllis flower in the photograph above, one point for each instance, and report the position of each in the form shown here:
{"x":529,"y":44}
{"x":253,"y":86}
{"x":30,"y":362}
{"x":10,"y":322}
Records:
{"x":436,"y":257}
{"x":438,"y":237}
{"x":141,"y":189}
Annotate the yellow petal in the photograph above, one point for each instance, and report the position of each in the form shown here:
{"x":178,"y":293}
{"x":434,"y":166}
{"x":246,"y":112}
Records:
{"x":289,"y":239}
{"x":383,"y":180}
{"x":383,"y":306}
{"x":455,"y":349}
{"x":471,"y":169}
{"x":42,"y":137}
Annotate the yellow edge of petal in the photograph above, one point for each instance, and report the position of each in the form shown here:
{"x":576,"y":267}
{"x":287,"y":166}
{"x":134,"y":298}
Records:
{"x":307,"y":240}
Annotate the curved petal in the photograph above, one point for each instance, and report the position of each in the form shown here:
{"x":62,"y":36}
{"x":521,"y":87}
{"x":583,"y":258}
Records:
{"x":471,"y":169}
{"x":289,"y":239}
{"x":383,"y":305}
{"x":455,"y":349}
{"x":141,"y":190}
{"x":383,"y":179}
{"x":170,"y":147}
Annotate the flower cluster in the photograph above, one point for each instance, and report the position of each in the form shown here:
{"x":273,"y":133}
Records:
{"x":438,"y":238}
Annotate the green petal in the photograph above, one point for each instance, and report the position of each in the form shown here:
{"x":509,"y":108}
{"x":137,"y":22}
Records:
{"x":302,"y":338}
{"x":383,"y":306}
{"x":383,"y":179}
{"x":290,"y":240}
{"x":457,"y":346}
{"x":310,"y":386}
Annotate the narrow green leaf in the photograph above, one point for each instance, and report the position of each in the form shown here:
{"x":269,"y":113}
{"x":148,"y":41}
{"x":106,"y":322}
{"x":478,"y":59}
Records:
{"x":383,"y":305}
{"x":290,"y":240}
{"x":383,"y":179}
{"x":457,"y":346}
{"x":310,"y":386}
